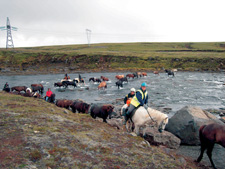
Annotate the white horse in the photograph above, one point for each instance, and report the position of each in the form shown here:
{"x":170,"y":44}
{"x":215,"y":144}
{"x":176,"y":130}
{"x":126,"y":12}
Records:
{"x":142,"y":117}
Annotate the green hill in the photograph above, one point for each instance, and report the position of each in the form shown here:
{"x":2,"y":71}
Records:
{"x":115,"y":56}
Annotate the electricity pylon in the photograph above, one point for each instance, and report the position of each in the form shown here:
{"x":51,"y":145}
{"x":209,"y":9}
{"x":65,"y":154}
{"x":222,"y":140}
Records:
{"x":88,"y":31}
{"x":8,"y":28}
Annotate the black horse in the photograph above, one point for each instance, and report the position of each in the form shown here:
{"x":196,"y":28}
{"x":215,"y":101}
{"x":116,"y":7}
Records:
{"x":124,"y":79}
{"x":95,"y":79}
{"x":67,"y":83}
{"x":51,"y":99}
{"x":169,"y":72}
{"x":119,"y":84}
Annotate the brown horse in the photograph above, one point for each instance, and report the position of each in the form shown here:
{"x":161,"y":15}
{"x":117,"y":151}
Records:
{"x":156,"y":72}
{"x":130,"y":75}
{"x":19,"y":88}
{"x":103,"y":84}
{"x":64,"y":103}
{"x":119,"y":77}
{"x":80,"y":106}
{"x":209,"y":135}
{"x":37,"y":87}
{"x":144,"y":74}
{"x":104,"y":78}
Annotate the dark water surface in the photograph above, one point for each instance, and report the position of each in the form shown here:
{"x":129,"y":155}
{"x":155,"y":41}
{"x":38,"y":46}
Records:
{"x":205,"y":90}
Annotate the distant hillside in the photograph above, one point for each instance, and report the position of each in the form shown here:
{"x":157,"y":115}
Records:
{"x":37,"y":134}
{"x":116,"y":56}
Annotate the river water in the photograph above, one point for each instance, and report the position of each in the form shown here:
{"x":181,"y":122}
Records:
{"x":205,"y":90}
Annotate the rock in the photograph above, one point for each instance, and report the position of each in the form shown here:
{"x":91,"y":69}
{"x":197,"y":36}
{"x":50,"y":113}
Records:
{"x":186,"y":122}
{"x":154,"y":137}
{"x":118,"y":123}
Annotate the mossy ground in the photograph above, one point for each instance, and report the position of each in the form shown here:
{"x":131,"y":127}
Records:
{"x":35,"y":133}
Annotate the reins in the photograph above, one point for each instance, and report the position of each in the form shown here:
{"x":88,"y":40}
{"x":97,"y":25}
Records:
{"x":150,"y":116}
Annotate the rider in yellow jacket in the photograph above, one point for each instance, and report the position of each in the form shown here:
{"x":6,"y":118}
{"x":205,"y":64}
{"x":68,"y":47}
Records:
{"x":140,"y":99}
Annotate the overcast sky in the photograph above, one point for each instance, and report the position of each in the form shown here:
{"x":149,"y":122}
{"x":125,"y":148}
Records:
{"x":61,"y":22}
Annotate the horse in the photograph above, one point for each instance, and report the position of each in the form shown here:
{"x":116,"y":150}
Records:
{"x":119,"y":84}
{"x":51,"y":99}
{"x":104,"y":78}
{"x":19,"y":88}
{"x":103,"y":84}
{"x":101,"y":111}
{"x":156,"y":72}
{"x":169,"y":72}
{"x":37,"y":87}
{"x":144,"y":74}
{"x":77,"y":80}
{"x":67,"y":83}
{"x":124,"y":79}
{"x":119,"y":77}
{"x":58,"y":84}
{"x":142,"y":116}
{"x":130,"y":75}
{"x":80,"y":106}
{"x":209,"y":135}
{"x":139,"y":74}
{"x":94,"y":79}
{"x":64,"y":103}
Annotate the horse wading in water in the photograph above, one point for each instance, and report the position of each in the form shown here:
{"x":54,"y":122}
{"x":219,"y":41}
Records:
{"x":209,"y":135}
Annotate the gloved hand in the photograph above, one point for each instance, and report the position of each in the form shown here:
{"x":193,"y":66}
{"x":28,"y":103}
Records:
{"x":146,"y":106}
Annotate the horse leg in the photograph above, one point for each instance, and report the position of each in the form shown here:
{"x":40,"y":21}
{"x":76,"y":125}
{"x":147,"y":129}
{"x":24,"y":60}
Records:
{"x":137,"y":129}
{"x":203,"y":147}
{"x":209,"y":153}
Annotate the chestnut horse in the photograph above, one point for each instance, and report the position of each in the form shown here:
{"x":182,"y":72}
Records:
{"x":130,"y":75}
{"x":119,"y":77}
{"x":19,"y":88}
{"x":144,"y":74}
{"x":103,"y":84}
{"x":104,"y":78}
{"x":209,"y":135}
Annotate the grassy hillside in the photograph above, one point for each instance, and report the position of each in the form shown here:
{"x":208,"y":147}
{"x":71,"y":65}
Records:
{"x":117,"y":56}
{"x":37,"y":134}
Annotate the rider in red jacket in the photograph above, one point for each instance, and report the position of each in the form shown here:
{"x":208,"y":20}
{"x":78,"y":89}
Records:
{"x":48,"y":94}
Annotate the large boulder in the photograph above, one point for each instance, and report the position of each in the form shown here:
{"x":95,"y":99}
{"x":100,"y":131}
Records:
{"x":154,"y":137}
{"x":186,"y":122}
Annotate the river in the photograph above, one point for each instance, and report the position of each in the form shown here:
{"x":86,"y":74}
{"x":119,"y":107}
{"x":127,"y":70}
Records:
{"x":205,"y":90}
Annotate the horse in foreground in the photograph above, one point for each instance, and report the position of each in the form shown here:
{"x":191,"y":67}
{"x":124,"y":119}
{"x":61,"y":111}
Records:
{"x":209,"y":135}
{"x":142,"y":117}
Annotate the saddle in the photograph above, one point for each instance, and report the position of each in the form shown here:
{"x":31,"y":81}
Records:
{"x":132,"y":113}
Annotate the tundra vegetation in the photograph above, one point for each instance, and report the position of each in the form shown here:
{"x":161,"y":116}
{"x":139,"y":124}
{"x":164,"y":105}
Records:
{"x":115,"y":57}
{"x":37,"y":134}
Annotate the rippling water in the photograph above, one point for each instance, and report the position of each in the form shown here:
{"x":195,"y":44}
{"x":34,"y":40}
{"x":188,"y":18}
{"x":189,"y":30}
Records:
{"x":205,"y":90}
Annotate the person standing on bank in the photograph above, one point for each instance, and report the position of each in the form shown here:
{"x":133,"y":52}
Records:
{"x":140,"y":99}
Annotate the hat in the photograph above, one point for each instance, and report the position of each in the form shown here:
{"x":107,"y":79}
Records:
{"x":143,"y":84}
{"x":132,"y":90}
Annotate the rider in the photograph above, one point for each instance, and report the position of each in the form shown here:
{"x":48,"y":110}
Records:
{"x":66,"y":77}
{"x":48,"y":94}
{"x":140,"y":99}
{"x":129,"y":96}
{"x":6,"y":87}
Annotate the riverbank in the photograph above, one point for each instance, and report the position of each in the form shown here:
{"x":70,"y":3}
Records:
{"x":114,"y":57}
